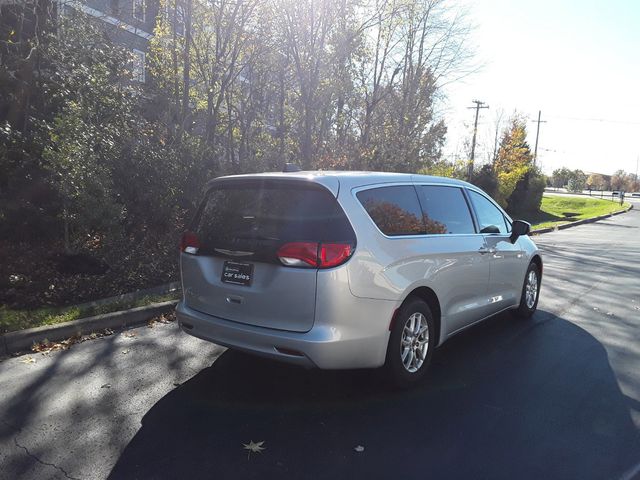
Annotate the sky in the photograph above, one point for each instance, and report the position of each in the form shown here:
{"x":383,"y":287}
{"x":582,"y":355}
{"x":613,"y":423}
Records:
{"x":576,"y":61}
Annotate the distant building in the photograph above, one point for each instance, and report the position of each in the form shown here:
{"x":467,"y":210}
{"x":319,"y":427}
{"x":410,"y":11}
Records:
{"x":129,"y":23}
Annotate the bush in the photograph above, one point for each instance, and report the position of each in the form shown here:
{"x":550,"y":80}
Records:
{"x":485,"y":178}
{"x":527,"y":195}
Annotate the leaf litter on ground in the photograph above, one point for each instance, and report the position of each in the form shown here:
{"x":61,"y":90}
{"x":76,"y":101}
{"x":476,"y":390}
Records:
{"x":163,"y":318}
{"x":46,"y":346}
{"x":254,"y":447}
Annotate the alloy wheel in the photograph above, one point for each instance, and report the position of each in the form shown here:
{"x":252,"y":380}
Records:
{"x":414,"y":342}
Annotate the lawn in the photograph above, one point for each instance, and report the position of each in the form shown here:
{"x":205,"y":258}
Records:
{"x":556,"y":210}
{"x":12,"y":320}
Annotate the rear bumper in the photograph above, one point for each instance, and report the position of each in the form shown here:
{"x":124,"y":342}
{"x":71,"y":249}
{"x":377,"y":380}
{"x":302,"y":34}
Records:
{"x":324,"y":346}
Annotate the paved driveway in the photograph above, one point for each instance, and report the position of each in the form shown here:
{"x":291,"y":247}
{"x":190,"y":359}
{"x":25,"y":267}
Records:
{"x":554,"y":397}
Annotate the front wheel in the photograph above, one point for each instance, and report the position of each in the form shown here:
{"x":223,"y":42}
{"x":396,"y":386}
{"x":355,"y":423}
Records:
{"x":411,"y":344}
{"x":530,"y":292}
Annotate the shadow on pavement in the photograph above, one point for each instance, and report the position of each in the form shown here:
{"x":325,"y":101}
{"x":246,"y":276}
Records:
{"x":507,"y":399}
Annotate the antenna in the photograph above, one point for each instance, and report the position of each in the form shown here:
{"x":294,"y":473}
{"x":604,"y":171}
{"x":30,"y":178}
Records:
{"x":291,"y":167}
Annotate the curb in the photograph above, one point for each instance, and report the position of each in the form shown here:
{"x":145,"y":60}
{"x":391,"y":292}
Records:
{"x":579,"y":222}
{"x":23,"y":339}
{"x":130,"y":297}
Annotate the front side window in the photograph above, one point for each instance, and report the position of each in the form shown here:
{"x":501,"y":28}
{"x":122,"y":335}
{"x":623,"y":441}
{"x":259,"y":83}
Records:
{"x":445,"y":210}
{"x":490,"y":218}
{"x":139,"y":8}
{"x":395,"y":210}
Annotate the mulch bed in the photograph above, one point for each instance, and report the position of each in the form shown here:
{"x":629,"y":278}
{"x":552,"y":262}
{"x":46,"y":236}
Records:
{"x":36,"y":275}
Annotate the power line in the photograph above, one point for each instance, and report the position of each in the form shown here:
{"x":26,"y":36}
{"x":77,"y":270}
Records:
{"x":601,"y":120}
{"x":478,"y":106}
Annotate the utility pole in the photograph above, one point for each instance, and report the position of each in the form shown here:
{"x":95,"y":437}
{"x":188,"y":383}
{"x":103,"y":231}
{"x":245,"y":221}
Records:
{"x":535,"y":150}
{"x":478,"y":106}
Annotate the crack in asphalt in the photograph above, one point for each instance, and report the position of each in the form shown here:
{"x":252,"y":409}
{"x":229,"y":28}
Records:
{"x":64,"y":472}
{"x":31,"y":455}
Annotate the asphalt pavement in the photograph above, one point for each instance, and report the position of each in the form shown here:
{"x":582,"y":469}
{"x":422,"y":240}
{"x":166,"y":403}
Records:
{"x":557,"y":396}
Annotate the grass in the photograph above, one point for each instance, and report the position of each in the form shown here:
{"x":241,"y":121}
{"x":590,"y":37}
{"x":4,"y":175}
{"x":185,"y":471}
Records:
{"x":556,"y":210}
{"x":12,"y":320}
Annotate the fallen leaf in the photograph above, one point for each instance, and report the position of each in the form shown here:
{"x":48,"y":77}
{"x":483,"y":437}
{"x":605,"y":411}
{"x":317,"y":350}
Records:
{"x":28,"y":360}
{"x":254,"y":447}
{"x":359,"y":449}
{"x":106,"y":385}
{"x":130,"y":334}
{"x":124,"y":352}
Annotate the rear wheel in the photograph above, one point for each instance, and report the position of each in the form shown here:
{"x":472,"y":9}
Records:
{"x":411,"y":344}
{"x":530,"y":293}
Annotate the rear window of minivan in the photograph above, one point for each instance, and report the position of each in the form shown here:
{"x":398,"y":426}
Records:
{"x":260,"y":216}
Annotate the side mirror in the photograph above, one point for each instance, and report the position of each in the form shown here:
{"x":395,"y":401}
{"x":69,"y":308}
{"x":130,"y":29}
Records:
{"x":490,"y":229}
{"x":519,"y":228}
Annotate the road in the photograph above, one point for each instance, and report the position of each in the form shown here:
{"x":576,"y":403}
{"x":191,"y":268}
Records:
{"x":557,"y":396}
{"x":628,"y":197}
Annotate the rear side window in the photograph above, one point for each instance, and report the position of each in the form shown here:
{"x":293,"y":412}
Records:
{"x":445,"y":210}
{"x":395,"y":210}
{"x":489,"y":217}
{"x":261,"y":216}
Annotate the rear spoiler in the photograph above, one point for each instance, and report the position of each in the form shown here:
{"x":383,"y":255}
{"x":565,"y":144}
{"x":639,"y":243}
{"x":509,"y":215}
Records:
{"x":329,"y":182}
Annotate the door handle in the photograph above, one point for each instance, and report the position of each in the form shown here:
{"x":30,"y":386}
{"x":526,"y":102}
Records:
{"x":485,"y":250}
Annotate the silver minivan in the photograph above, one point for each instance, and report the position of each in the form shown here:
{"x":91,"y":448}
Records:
{"x":342,"y":270}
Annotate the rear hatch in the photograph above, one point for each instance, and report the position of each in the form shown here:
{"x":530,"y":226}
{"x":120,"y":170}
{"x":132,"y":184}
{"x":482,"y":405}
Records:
{"x":254,"y":249}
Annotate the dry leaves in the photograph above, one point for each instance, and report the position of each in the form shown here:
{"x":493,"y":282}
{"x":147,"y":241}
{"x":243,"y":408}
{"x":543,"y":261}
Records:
{"x":254,"y":447}
{"x":28,"y":360}
{"x":47,"y":346}
{"x":164,"y":318}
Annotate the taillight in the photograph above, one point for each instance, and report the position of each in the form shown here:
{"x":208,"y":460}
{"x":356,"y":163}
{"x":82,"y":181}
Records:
{"x":334,"y":254}
{"x":189,"y":243}
{"x":299,"y":254}
{"x":311,"y":254}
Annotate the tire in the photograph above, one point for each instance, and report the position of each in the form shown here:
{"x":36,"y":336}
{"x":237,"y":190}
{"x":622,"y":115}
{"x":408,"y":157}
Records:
{"x":406,"y":366}
{"x":528,"y":305}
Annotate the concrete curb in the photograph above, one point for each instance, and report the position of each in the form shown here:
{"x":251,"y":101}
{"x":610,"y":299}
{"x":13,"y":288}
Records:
{"x":580,"y":222}
{"x":23,"y":339}
{"x":133,"y":296}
